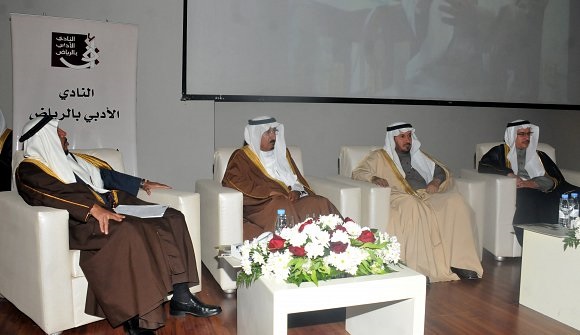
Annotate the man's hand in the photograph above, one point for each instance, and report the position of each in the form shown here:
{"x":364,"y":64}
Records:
{"x":103,"y":216}
{"x":379,"y":181}
{"x":149,"y":185}
{"x":520,"y":183}
{"x":433,"y":186}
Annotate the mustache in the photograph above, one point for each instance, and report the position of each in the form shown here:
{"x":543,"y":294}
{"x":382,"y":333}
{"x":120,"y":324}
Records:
{"x":272,"y":141}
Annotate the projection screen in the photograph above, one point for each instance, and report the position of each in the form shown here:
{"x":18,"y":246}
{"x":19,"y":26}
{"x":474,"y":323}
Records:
{"x":506,"y":51}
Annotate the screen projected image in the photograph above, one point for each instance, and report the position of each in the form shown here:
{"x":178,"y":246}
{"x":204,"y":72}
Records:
{"x":453,"y":50}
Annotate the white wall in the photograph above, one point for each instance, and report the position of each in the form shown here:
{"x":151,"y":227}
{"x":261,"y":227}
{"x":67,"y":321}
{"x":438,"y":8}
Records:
{"x":448,"y":133}
{"x":175,"y":139}
{"x":168,"y":129}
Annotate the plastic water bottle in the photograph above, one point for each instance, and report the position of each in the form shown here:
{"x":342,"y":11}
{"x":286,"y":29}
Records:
{"x":574,"y":213}
{"x":565,"y":209}
{"x":281,"y":220}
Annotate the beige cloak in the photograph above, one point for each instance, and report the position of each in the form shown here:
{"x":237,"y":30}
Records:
{"x":436,"y":231}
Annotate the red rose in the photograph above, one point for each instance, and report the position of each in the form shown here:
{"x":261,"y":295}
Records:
{"x":303,"y":225}
{"x":276,"y":243}
{"x":366,"y":236}
{"x":297,"y":251}
{"x":341,"y":228}
{"x":347,"y":219}
{"x":338,"y":247}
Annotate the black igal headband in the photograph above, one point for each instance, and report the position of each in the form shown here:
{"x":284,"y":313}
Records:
{"x":400,"y":126}
{"x":518,"y":123}
{"x":257,"y":122}
{"x":43,"y":122}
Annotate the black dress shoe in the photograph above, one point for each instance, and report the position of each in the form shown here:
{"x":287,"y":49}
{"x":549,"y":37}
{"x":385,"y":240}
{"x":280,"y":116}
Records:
{"x":132,"y":328}
{"x":193,"y":307}
{"x":464,"y":273}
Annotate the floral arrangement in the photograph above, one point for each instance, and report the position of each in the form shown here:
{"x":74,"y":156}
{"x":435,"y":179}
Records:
{"x":572,"y":239}
{"x":319,"y":249}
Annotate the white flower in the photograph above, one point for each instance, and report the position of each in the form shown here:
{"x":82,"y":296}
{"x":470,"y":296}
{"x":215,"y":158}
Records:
{"x":314,"y":249}
{"x":315,"y":237}
{"x":340,"y":236}
{"x":353,"y":229}
{"x":347,"y":261}
{"x":330,"y":221}
{"x":294,"y":237}
{"x":577,"y":233}
{"x":277,"y":266}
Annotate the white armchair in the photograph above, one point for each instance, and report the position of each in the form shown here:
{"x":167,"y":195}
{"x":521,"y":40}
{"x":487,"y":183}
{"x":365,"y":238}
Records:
{"x":374,"y":199}
{"x":374,"y":209}
{"x":500,"y":203}
{"x":222,"y":210}
{"x":40,"y":275}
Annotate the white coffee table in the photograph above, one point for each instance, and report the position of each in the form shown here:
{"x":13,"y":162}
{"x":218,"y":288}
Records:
{"x":393,"y":303}
{"x":550,"y":276}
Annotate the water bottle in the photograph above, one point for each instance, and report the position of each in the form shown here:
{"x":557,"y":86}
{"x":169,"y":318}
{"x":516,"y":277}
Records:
{"x":574,"y":213}
{"x":564,"y":211}
{"x":281,"y":220}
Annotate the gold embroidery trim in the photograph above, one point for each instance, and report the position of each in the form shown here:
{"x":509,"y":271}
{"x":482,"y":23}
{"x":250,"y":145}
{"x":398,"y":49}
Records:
{"x":4,"y":137}
{"x":254,"y":158}
{"x":408,"y":189}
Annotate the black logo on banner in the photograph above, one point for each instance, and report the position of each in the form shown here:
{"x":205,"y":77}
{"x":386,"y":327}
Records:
{"x":74,"y":51}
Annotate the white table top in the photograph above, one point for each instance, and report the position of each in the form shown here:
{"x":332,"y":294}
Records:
{"x":546,"y":229}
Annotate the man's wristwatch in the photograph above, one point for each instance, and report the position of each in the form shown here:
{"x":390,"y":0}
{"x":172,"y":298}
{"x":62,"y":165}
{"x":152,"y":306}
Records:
{"x":143,"y":181}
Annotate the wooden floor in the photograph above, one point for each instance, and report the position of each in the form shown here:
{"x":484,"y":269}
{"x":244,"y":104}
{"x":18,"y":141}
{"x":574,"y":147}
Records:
{"x":487,"y":306}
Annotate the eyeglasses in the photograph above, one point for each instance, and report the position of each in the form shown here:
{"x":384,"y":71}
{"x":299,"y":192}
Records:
{"x":271,"y":131}
{"x":528,"y":134}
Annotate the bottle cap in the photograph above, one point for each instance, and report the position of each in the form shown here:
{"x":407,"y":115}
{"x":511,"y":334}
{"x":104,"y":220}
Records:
{"x":565,"y":196}
{"x":574,"y":195}
{"x":281,"y":211}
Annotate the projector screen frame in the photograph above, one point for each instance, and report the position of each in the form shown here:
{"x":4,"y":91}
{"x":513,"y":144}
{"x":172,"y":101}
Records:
{"x":345,"y":100}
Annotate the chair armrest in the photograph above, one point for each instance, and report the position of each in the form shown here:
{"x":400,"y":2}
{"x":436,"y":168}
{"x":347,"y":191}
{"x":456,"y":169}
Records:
{"x":188,"y":204}
{"x":571,"y":176}
{"x":474,"y":193}
{"x":221,"y":224}
{"x":346,"y":198}
{"x":375,"y":202}
{"x":35,"y":261}
{"x":500,"y":206}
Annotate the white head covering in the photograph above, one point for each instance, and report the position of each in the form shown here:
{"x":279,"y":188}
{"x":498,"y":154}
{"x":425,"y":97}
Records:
{"x":41,"y":142}
{"x":420,"y":162}
{"x":533,"y":164}
{"x":274,"y":161}
{"x":2,"y":123}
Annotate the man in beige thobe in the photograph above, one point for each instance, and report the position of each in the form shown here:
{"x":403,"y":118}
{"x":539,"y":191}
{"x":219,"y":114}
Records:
{"x":430,"y":218}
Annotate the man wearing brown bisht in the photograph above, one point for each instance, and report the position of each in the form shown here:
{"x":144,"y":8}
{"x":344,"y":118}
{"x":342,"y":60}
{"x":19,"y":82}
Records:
{"x":264,"y":171}
{"x":131,"y":264}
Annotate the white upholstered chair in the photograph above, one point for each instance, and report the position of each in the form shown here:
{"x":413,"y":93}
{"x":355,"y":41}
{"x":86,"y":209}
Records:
{"x":374,"y":209}
{"x":38,"y":272}
{"x":222,"y":209}
{"x":500,"y":203}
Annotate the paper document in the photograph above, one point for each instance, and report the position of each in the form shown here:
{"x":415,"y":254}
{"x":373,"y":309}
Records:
{"x":142,"y":211}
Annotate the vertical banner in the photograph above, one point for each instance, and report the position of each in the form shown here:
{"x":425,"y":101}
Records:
{"x":82,"y":73}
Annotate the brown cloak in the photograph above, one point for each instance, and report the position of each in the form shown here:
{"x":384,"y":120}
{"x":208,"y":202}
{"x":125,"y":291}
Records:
{"x":264,"y":195}
{"x":131,"y":270}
